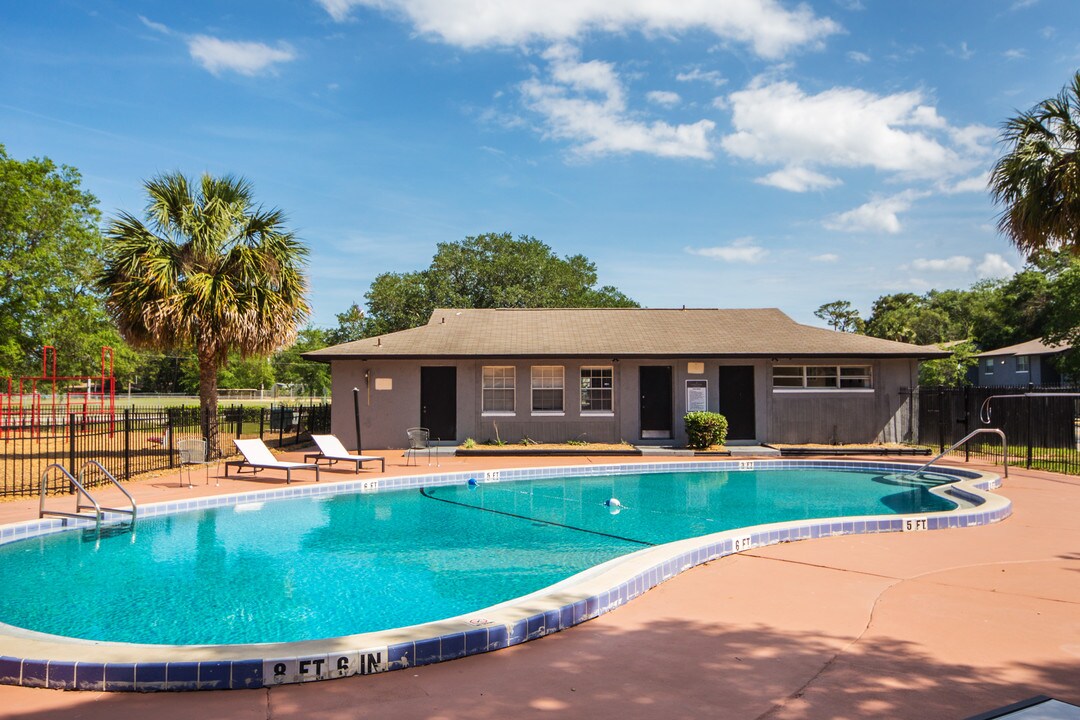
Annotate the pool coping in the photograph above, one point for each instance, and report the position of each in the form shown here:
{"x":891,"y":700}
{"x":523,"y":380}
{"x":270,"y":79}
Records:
{"x":39,"y":660}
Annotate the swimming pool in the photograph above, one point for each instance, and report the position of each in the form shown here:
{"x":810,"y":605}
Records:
{"x":501,"y":562}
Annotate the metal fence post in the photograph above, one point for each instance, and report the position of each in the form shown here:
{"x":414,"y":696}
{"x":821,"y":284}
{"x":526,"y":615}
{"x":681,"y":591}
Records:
{"x":239,"y":420}
{"x":71,"y":447}
{"x":967,"y":420}
{"x":127,"y":443}
{"x":262,"y":417}
{"x":1030,"y":433}
{"x":941,"y":420}
{"x":169,"y":436}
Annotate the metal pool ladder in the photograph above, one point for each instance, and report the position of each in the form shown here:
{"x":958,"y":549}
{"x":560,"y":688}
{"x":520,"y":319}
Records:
{"x":973,"y":433}
{"x":81,"y":492}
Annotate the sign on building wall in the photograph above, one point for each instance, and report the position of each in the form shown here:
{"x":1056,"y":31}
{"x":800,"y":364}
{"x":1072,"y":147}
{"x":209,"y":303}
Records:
{"x":697,"y":395}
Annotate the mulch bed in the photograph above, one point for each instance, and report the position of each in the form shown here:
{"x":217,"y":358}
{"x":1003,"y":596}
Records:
{"x":811,"y":450}
{"x":547,"y":449}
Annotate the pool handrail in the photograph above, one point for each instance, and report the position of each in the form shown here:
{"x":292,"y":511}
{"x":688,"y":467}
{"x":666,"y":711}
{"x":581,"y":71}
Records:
{"x":81,"y":492}
{"x":973,"y":433}
{"x":42,"y":512}
{"x":134,"y":508}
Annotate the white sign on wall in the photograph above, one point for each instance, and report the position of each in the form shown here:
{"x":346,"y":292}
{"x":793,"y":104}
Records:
{"x":697,"y":395}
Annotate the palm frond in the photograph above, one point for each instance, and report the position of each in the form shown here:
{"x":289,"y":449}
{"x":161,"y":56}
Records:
{"x":1037,"y":180}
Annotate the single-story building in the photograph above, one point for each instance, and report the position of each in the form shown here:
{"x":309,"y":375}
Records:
{"x":1029,"y":363}
{"x":621,"y":374}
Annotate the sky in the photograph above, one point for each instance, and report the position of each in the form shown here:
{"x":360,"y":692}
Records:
{"x":706,"y":153}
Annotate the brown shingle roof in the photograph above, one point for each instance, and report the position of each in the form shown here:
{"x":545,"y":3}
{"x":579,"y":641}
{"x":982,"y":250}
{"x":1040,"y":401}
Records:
{"x":1031,"y":347}
{"x":617,"y":332}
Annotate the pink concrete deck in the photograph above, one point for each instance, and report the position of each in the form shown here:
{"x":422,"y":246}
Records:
{"x":942,"y":624}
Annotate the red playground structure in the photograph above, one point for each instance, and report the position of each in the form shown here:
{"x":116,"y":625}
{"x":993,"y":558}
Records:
{"x":46,"y":401}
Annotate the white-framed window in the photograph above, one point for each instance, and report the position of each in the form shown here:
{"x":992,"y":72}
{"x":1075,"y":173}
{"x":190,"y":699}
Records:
{"x":596,"y":390}
{"x":1023,"y":363}
{"x":822,"y":377}
{"x":498,"y":389}
{"x":988,"y":366}
{"x":547,"y":389}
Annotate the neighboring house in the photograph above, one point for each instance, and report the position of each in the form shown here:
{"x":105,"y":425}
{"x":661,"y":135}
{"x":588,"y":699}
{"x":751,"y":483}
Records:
{"x":1030,"y":362}
{"x":606,"y":375}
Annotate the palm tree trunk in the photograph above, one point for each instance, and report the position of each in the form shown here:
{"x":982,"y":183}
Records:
{"x":208,"y":403}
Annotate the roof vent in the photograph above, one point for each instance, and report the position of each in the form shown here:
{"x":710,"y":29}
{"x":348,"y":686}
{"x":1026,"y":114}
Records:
{"x":378,"y":342}
{"x":444,"y":320}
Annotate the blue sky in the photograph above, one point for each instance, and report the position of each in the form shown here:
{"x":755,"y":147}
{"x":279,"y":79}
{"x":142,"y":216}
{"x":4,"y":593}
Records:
{"x":708,"y":153}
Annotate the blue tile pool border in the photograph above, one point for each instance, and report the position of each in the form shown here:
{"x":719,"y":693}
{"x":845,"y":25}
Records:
{"x":148,"y":668}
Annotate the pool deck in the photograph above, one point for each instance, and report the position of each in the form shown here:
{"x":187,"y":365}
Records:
{"x":942,"y":624}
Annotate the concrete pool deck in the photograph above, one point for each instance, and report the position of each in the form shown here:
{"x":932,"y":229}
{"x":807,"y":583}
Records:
{"x":942,"y":624}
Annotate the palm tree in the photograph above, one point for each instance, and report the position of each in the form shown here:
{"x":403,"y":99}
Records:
{"x":1038,"y":179}
{"x":208,"y":270}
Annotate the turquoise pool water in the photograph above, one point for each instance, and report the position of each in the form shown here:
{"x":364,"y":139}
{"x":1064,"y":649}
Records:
{"x":302,"y":569}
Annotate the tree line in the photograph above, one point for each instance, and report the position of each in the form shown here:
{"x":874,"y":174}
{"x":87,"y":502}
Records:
{"x":207,"y":289}
{"x":204,"y":257}
{"x":1040,"y":301}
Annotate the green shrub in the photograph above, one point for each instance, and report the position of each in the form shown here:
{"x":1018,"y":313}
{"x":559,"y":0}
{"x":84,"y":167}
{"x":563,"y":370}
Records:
{"x":705,"y":429}
{"x":469,"y":444}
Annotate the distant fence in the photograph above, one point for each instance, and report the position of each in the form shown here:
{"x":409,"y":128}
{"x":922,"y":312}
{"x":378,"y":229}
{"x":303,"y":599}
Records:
{"x":140,"y":440}
{"x":1042,"y":424}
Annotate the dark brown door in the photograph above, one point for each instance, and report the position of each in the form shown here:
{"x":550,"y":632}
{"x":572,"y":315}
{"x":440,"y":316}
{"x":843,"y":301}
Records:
{"x":655,"y":401}
{"x":438,"y":402}
{"x":737,"y":401}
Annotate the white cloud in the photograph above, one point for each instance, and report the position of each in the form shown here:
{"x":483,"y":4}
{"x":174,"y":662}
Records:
{"x":765,"y":25}
{"x":1014,"y":54}
{"x":826,"y":258}
{"x":964,"y":53}
{"x":859,"y":57}
{"x":246,"y":58}
{"x":338,"y":9}
{"x":776,"y":122}
{"x":155,"y":26}
{"x":740,"y":250}
{"x":994,"y":266}
{"x":712,"y":77}
{"x":585,"y":102}
{"x":663,"y":97}
{"x":798,"y":179}
{"x":1023,"y":4}
{"x":956,"y":263}
{"x":973,"y":140}
{"x":879,"y":215}
{"x":975,"y":183}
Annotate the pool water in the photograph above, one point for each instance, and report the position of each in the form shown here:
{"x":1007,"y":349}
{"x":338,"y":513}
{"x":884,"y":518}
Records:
{"x":310,"y":568}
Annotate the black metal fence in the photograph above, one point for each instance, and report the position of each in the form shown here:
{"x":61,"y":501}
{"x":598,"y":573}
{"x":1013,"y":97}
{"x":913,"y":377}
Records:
{"x":1042,"y":424}
{"x":139,"y":440}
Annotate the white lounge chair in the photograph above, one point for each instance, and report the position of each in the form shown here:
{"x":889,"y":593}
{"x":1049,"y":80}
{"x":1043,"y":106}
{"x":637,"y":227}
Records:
{"x":331,"y":449}
{"x":258,"y":457}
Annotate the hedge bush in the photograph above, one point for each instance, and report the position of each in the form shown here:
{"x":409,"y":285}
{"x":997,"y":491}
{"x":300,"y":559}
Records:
{"x":705,"y":429}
